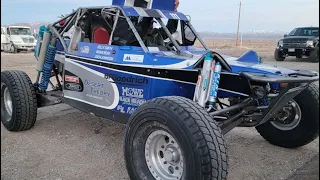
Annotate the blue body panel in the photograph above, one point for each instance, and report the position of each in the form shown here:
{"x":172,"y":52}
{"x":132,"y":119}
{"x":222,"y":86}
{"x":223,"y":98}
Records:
{"x":102,"y":59}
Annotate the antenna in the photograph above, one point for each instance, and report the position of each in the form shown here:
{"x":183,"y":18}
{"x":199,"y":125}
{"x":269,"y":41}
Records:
{"x":238,"y":24}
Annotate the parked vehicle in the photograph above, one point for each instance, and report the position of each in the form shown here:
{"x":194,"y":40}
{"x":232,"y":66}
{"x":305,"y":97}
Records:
{"x":177,"y":100}
{"x":302,"y":41}
{"x":17,"y":38}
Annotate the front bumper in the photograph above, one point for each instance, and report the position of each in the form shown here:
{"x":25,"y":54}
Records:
{"x":301,"y":76}
{"x":295,"y":84}
{"x":25,"y":46}
{"x":293,"y":51}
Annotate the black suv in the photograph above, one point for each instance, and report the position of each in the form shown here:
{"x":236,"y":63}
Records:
{"x":302,"y":41}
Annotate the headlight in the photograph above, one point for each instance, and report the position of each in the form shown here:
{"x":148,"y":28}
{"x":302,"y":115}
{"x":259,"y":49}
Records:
{"x":280,"y":43}
{"x":309,"y":43}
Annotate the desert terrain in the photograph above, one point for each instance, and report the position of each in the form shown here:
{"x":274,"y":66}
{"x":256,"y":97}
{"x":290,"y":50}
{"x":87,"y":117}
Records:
{"x":67,"y":144}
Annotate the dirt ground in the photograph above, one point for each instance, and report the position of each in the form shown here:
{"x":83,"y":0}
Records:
{"x":68,"y":144}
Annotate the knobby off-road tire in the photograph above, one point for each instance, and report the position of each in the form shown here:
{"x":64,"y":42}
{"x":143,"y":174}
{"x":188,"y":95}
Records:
{"x":18,"y":101}
{"x":304,"y":131}
{"x":196,"y":142}
{"x":278,"y":56}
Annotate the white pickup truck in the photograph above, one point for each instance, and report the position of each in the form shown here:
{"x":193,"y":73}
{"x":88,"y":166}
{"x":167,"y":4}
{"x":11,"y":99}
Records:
{"x":17,"y":38}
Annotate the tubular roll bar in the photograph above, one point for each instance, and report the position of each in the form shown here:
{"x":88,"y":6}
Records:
{"x":76,"y":15}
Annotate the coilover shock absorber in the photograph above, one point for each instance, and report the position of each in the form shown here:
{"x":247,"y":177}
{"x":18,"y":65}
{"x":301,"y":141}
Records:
{"x":47,"y":67}
{"x":208,"y":82}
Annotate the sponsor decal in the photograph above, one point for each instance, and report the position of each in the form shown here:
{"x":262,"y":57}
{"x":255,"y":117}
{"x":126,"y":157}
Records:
{"x":132,"y":92}
{"x":133,"y":58}
{"x":128,"y":110}
{"x":104,"y":52}
{"x":93,"y":84}
{"x":73,"y":87}
{"x":96,"y":90}
{"x":73,"y":79}
{"x":128,"y":80}
{"x":99,"y":92}
{"x":105,"y":47}
{"x":132,"y":101}
{"x":85,"y":49}
{"x":103,"y":57}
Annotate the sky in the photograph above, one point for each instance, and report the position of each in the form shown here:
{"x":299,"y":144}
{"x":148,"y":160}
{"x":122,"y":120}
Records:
{"x":209,"y":15}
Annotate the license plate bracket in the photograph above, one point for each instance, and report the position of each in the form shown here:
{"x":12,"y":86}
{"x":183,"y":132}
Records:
{"x":291,"y":50}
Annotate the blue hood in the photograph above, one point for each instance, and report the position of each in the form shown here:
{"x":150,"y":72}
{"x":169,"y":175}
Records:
{"x":249,"y":62}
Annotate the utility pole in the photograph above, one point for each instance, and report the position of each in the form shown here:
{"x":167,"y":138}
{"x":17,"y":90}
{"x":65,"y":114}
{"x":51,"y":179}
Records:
{"x":241,"y":40}
{"x":238,"y":24}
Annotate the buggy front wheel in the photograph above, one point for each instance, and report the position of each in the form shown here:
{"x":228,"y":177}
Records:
{"x":18,"y":101}
{"x":173,"y":138}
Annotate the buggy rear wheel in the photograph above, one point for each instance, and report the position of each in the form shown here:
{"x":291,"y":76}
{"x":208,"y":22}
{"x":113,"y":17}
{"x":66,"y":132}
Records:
{"x":173,"y":138}
{"x":18,"y":101}
{"x":297,"y":124}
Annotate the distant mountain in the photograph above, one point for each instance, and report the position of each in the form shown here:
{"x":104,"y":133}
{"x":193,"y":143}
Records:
{"x":257,"y":34}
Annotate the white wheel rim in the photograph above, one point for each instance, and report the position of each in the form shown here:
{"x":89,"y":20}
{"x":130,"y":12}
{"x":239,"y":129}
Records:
{"x":12,"y":48}
{"x":163,"y":156}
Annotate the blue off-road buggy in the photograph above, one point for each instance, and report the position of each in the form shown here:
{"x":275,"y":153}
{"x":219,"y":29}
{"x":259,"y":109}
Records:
{"x":177,"y":100}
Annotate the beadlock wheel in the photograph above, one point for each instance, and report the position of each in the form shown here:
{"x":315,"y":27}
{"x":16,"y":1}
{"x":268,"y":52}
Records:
{"x":163,"y":156}
{"x":173,"y":138}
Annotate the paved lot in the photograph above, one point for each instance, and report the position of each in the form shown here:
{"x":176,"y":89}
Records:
{"x":68,"y":144}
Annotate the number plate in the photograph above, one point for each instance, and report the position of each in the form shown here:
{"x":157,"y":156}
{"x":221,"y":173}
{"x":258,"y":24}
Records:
{"x":291,"y":50}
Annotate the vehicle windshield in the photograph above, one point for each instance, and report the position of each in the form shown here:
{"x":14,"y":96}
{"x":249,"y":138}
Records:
{"x":20,"y":31}
{"x":304,"y":32}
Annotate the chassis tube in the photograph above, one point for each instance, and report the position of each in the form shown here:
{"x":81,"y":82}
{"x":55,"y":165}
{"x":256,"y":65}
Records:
{"x":232,"y":108}
{"x":57,"y":34}
{"x":232,"y":122}
{"x":169,"y":35}
{"x":197,"y":35}
{"x":71,"y":14}
{"x":114,"y":26}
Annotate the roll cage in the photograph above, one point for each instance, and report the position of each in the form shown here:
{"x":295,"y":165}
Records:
{"x":111,"y":16}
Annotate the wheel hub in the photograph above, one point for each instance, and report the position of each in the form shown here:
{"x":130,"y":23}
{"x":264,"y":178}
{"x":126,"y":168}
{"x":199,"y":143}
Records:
{"x":288,"y":118}
{"x":172,"y":155}
{"x":163,"y":156}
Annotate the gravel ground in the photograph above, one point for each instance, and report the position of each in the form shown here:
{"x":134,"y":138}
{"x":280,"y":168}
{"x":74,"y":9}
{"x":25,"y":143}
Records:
{"x":68,"y":144}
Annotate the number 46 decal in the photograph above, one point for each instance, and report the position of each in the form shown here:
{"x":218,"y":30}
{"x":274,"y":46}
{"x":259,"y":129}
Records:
{"x":174,"y":16}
